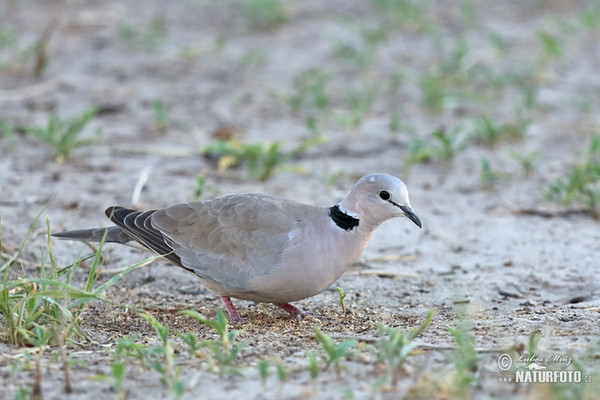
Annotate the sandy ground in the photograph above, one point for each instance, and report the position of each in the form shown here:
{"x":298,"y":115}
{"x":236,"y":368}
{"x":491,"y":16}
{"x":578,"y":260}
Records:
{"x":477,"y":258}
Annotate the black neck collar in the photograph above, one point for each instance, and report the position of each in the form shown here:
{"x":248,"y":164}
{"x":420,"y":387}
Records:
{"x":341,"y":219}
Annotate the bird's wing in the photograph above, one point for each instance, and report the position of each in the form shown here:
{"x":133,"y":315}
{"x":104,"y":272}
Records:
{"x":136,"y":225}
{"x":231,"y":239}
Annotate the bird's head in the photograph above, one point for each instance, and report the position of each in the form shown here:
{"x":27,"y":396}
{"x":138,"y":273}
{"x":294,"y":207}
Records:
{"x":378,"y":197}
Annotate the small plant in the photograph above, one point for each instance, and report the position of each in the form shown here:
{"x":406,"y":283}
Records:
{"x":253,"y":59}
{"x":149,"y":357}
{"x":395,"y":347}
{"x":465,"y":360}
{"x":165,"y":364}
{"x":590,"y":17}
{"x":161,"y":119}
{"x":8,"y":132}
{"x":489,"y":177}
{"x":552,"y":48}
{"x":490,"y":133}
{"x":359,"y":103}
{"x":402,"y":13}
{"x":150,"y":39}
{"x":282,"y":373}
{"x":263,"y":371}
{"x":360,"y":55}
{"x":534,"y":339}
{"x":342,"y":295}
{"x":527,"y":161}
{"x":310,"y":91}
{"x":202,"y":187}
{"x":582,"y":185}
{"x":335,"y":352}
{"x":264,"y":14}
{"x":444,"y":148}
{"x":261,"y":158}
{"x":63,"y":134}
{"x":435,"y":93}
{"x":313,"y":365}
{"x":117,"y":370}
{"x":227,"y":349}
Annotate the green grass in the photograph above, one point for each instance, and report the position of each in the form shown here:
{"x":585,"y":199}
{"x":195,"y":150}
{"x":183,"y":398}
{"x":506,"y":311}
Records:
{"x":359,"y":102}
{"x":466,"y":362}
{"x":489,"y":132}
{"x":227,"y":349}
{"x":360,"y":55}
{"x":443,"y":147}
{"x":552,"y":47}
{"x":261,"y":159}
{"x":342,"y":295}
{"x":63,"y":135}
{"x":48,"y":305}
{"x":394,"y":346}
{"x":310,"y":91}
{"x":334,"y":352}
{"x":490,"y":177}
{"x":403,"y":14}
{"x":264,"y":14}
{"x":581,"y":185}
{"x":203,"y":187}
{"x":161,"y":118}
{"x":149,"y":38}
{"x":527,"y":161}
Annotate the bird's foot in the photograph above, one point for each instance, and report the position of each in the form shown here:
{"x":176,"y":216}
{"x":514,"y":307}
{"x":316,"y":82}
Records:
{"x":297,"y":313}
{"x":234,"y":317}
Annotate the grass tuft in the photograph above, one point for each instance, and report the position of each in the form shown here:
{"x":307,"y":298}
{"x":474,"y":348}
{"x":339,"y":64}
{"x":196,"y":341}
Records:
{"x":394,"y":346}
{"x":582,"y":185}
{"x":63,"y":134}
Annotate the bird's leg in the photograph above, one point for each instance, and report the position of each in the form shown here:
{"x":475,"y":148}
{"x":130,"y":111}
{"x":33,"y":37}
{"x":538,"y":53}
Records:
{"x":233,"y":315}
{"x":295,"y":312}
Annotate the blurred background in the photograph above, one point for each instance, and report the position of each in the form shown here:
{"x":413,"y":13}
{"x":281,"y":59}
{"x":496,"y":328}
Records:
{"x":488,"y":110}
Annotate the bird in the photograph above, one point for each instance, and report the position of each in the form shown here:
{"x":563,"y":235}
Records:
{"x":260,"y":247}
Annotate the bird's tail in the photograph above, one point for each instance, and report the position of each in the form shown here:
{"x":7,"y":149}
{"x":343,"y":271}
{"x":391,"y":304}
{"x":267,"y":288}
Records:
{"x":114,"y":234}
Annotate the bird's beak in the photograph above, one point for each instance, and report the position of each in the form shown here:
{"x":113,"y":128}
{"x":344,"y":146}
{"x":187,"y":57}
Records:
{"x":411,"y":215}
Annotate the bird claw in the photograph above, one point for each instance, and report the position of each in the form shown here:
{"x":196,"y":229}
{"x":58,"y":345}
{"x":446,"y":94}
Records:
{"x":234,"y":317}
{"x":297,"y":313}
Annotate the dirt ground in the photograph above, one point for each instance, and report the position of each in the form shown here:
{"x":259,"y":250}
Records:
{"x":478,"y":259}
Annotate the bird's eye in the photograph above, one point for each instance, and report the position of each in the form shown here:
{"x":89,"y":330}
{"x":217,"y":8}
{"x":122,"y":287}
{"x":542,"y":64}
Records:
{"x":385,"y":195}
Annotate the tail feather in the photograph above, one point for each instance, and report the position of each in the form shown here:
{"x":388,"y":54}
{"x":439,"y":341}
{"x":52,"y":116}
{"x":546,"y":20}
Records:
{"x":131,"y":226}
{"x":114,"y":234}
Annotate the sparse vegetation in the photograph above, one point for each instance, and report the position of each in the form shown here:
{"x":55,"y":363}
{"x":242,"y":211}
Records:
{"x":148,"y":39}
{"x":444,"y":148}
{"x":488,"y":132}
{"x":349,"y":73}
{"x":334,"y":352}
{"x":342,"y":295}
{"x":161,"y":119}
{"x":582,"y":185}
{"x":225,"y":350}
{"x":394,"y":346}
{"x":64,"y":134}
{"x":261,"y":159}
{"x":489,"y":177}
{"x":48,"y":305}
{"x":264,"y":14}
{"x":310,"y":91}
{"x":466,"y":362}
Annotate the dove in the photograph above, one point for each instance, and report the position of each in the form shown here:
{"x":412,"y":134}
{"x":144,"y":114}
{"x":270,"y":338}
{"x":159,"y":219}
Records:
{"x":260,"y":247}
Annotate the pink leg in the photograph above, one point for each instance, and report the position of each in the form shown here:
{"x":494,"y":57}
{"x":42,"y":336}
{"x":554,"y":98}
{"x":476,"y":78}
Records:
{"x":295,"y":312}
{"x":233,"y":315}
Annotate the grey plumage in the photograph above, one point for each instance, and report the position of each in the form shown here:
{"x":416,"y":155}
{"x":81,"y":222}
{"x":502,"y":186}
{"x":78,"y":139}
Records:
{"x":259,"y":247}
